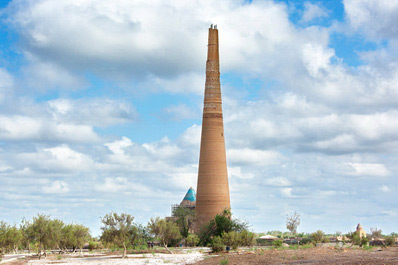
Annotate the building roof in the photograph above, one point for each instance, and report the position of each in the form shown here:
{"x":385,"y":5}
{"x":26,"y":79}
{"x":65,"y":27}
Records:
{"x":190,"y":196}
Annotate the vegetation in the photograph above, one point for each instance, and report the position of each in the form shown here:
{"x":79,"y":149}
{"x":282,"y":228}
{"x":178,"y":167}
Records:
{"x":222,"y":223}
{"x":318,"y":237}
{"x":42,"y":233}
{"x":292,"y":222}
{"x":185,"y":218}
{"x":375,"y":233}
{"x":192,"y":240}
{"x":118,"y":230}
{"x":166,"y":231}
{"x":217,"y":244}
{"x":277,"y":243}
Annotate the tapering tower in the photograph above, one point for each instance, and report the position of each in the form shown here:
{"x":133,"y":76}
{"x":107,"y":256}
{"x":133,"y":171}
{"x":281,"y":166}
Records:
{"x":212,"y":195}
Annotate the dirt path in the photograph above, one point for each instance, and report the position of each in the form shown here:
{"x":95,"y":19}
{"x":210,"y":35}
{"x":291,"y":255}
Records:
{"x":307,"y":256}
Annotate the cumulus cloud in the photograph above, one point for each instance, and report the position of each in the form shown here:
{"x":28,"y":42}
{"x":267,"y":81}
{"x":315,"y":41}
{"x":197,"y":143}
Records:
{"x":312,"y":11}
{"x":377,"y":19}
{"x":369,"y":169}
{"x":180,"y":112}
{"x":308,"y":122}
{"x":56,"y":187}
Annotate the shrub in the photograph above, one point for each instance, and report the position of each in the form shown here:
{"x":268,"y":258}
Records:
{"x":217,"y":244}
{"x":231,"y":239}
{"x":92,"y":245}
{"x":317,"y":236}
{"x":277,"y":243}
{"x":390,"y":240}
{"x":224,"y":262}
{"x":192,"y":240}
{"x":246,"y":238}
{"x":305,"y":241}
{"x":364,"y":241}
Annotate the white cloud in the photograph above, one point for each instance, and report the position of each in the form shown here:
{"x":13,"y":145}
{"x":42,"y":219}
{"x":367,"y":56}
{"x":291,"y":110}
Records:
{"x":6,"y":84}
{"x":96,"y":112}
{"x":248,"y":156}
{"x":180,"y":112}
{"x":56,"y":187}
{"x":369,"y":169}
{"x":384,"y":188}
{"x":312,"y":11}
{"x":316,"y":58}
{"x":277,"y":181}
{"x":377,"y":19}
{"x":286,"y":192}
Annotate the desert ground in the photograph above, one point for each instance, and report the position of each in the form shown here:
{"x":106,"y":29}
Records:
{"x":203,"y":257}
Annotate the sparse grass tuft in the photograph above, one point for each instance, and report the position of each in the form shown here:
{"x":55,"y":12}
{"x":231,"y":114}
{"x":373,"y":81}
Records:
{"x":224,"y":261}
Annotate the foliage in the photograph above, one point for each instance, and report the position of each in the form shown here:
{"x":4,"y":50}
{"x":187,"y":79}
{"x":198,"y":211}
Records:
{"x":277,"y":243}
{"x":318,"y":236}
{"x":224,"y":261}
{"x":10,"y":238}
{"x":356,"y":239}
{"x":231,"y":239}
{"x":292,"y":222}
{"x":165,"y":230}
{"x":221,"y":223}
{"x":192,"y":240}
{"x":118,"y":230}
{"x":184,"y":218}
{"x":375,"y":233}
{"x":93,"y":245}
{"x":246,"y":238}
{"x":390,"y":240}
{"x":217,"y":244}
{"x":305,"y":240}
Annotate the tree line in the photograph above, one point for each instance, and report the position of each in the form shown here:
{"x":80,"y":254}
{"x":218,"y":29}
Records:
{"x":43,"y":233}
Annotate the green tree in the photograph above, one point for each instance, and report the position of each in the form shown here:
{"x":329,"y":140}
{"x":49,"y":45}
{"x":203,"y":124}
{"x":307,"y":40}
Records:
{"x":40,"y":233}
{"x":166,"y":231}
{"x":184,"y":219}
{"x":222,"y":223}
{"x":3,"y":238}
{"x":74,"y":236}
{"x":14,"y":238}
{"x":118,"y":230}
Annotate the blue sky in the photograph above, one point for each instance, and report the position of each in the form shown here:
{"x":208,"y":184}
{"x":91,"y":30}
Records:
{"x":100,"y":109}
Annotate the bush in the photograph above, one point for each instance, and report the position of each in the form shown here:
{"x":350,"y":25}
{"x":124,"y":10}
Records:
{"x":217,"y":244}
{"x":277,"y":243}
{"x":231,"y":239}
{"x":317,"y":237}
{"x":192,"y":240}
{"x":390,"y":240}
{"x":305,"y":241}
{"x":92,"y":245}
{"x":246,"y":238}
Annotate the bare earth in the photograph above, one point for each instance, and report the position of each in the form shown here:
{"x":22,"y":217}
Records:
{"x":200,"y":257}
{"x":309,"y":256}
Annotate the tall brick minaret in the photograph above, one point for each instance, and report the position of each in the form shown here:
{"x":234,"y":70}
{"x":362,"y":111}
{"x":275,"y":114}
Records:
{"x":212,"y":195}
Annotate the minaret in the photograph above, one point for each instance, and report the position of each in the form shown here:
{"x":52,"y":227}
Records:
{"x":212,"y":195}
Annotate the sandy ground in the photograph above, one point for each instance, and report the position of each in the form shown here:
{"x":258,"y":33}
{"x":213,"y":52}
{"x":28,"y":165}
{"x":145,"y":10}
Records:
{"x":242,"y":257}
{"x":130,"y":260}
{"x":187,"y":256}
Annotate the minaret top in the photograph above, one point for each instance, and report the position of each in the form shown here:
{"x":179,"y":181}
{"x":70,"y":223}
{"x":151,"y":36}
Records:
{"x":212,"y":52}
{"x":213,"y":26}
